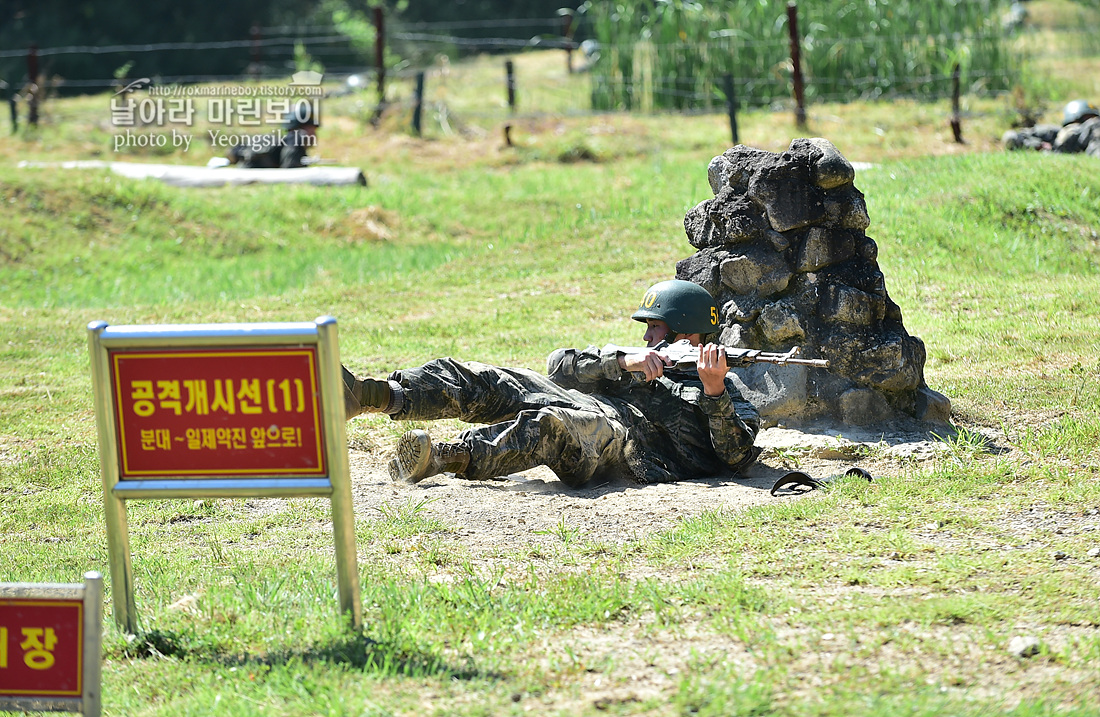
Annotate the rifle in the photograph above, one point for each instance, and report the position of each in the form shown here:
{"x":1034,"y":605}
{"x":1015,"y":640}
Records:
{"x":684,"y":356}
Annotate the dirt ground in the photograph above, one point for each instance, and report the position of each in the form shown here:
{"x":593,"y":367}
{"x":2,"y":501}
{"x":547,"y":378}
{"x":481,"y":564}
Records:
{"x":530,"y":508}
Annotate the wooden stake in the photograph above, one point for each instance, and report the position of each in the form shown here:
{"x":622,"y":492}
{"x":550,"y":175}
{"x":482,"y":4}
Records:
{"x":418,"y":102}
{"x":956,"y":119}
{"x":379,"y":62}
{"x":510,"y":80}
{"x":731,"y":106}
{"x":796,"y":63}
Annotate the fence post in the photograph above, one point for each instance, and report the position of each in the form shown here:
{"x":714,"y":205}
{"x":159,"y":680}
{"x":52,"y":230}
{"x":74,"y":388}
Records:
{"x":956,"y":120}
{"x":379,"y":62}
{"x":32,"y":63}
{"x":731,"y":106}
{"x":32,"y":85}
{"x":567,"y":32}
{"x":254,"y":65}
{"x":418,"y":102}
{"x":796,"y":62}
{"x":510,"y":80}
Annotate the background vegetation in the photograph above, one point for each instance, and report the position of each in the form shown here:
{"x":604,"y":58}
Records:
{"x":650,"y":54}
{"x":281,"y":25}
{"x":673,"y":55}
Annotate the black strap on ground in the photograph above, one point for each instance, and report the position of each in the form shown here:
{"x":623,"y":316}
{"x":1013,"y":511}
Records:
{"x":798,"y":482}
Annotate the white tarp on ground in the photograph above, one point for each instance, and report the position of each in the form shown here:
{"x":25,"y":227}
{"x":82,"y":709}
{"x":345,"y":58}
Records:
{"x":186,"y":176}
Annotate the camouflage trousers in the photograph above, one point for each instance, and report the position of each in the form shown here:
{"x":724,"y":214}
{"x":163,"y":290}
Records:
{"x":531,"y":420}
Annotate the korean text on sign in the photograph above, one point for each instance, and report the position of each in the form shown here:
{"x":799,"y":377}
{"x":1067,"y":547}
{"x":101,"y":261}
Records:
{"x":41,"y":642}
{"x":211,"y":412}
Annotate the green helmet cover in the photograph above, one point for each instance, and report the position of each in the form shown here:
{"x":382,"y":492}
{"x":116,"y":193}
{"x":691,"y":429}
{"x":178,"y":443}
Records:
{"x":1078,"y":110}
{"x":687,"y":308}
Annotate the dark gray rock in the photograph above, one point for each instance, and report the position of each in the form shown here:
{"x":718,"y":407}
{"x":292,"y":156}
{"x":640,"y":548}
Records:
{"x":735,"y":217}
{"x":733,"y":168}
{"x":831,"y":170}
{"x":822,"y":248}
{"x":760,"y":271}
{"x":851,"y":306}
{"x":729,"y":218}
{"x":782,"y":247}
{"x":856,"y":217}
{"x":931,"y":406}
{"x":864,"y":407}
{"x":777,"y":392}
{"x":718,"y":173}
{"x":893,"y":311}
{"x":893,"y":364}
{"x":789,"y":200}
{"x":702,"y":268}
{"x":740,"y":309}
{"x":737,"y":336}
{"x":780,"y":323}
{"x":868,"y":249}
{"x":846,"y":208}
{"x":778,"y":241}
{"x":700,"y":230}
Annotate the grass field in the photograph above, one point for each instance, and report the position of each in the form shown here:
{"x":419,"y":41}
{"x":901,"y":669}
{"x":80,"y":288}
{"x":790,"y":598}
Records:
{"x":898,"y":597}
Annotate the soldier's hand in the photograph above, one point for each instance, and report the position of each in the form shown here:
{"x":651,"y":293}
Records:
{"x":712,"y":366}
{"x":650,"y":363}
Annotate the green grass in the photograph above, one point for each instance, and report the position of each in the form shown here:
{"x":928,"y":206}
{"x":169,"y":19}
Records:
{"x":974,"y":252}
{"x":895,"y":597}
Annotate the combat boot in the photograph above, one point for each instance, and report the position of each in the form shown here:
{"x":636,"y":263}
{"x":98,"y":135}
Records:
{"x":418,"y":458}
{"x":363,"y":395}
{"x":750,"y":458}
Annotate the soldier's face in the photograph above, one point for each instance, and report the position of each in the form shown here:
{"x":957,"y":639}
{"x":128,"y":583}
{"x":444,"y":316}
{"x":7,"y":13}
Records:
{"x":656,"y":331}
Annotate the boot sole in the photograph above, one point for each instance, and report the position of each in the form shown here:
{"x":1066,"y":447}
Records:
{"x":352,"y":407}
{"x":414,"y":453}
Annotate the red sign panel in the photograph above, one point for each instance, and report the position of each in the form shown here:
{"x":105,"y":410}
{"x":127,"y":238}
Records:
{"x":41,"y":648}
{"x":218,"y":412}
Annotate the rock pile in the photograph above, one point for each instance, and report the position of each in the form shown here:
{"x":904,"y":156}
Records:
{"x":782,"y":247}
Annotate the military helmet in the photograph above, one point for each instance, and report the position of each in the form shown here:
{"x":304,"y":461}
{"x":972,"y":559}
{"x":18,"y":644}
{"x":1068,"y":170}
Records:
{"x":302,"y":114}
{"x":687,"y":308}
{"x":1079,"y":110}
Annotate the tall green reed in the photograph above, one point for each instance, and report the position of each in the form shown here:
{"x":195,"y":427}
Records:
{"x":673,"y":54}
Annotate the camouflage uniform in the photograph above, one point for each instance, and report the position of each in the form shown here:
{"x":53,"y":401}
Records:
{"x":288,"y":154}
{"x":1080,"y":137}
{"x":1039,"y":137}
{"x":1073,"y":138}
{"x":588,"y":418}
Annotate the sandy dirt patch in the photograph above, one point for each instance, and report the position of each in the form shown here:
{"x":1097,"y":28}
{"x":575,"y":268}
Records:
{"x":530,"y":507}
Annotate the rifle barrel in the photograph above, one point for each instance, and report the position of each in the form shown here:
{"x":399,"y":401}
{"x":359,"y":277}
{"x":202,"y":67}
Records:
{"x":820,"y":363}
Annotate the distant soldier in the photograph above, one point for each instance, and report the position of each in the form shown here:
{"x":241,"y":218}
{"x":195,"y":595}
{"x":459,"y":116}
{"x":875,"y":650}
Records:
{"x":1080,"y":132}
{"x":1080,"y":129}
{"x":284,"y":152}
{"x":597,"y":414}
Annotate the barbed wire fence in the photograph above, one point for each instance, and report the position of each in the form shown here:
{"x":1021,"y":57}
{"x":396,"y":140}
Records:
{"x":459,"y":98}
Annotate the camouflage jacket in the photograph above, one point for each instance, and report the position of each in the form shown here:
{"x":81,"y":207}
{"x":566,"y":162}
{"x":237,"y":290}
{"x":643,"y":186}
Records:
{"x":1071,"y":139}
{"x":1079,"y":137}
{"x":674,"y":425}
{"x":288,"y":154}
